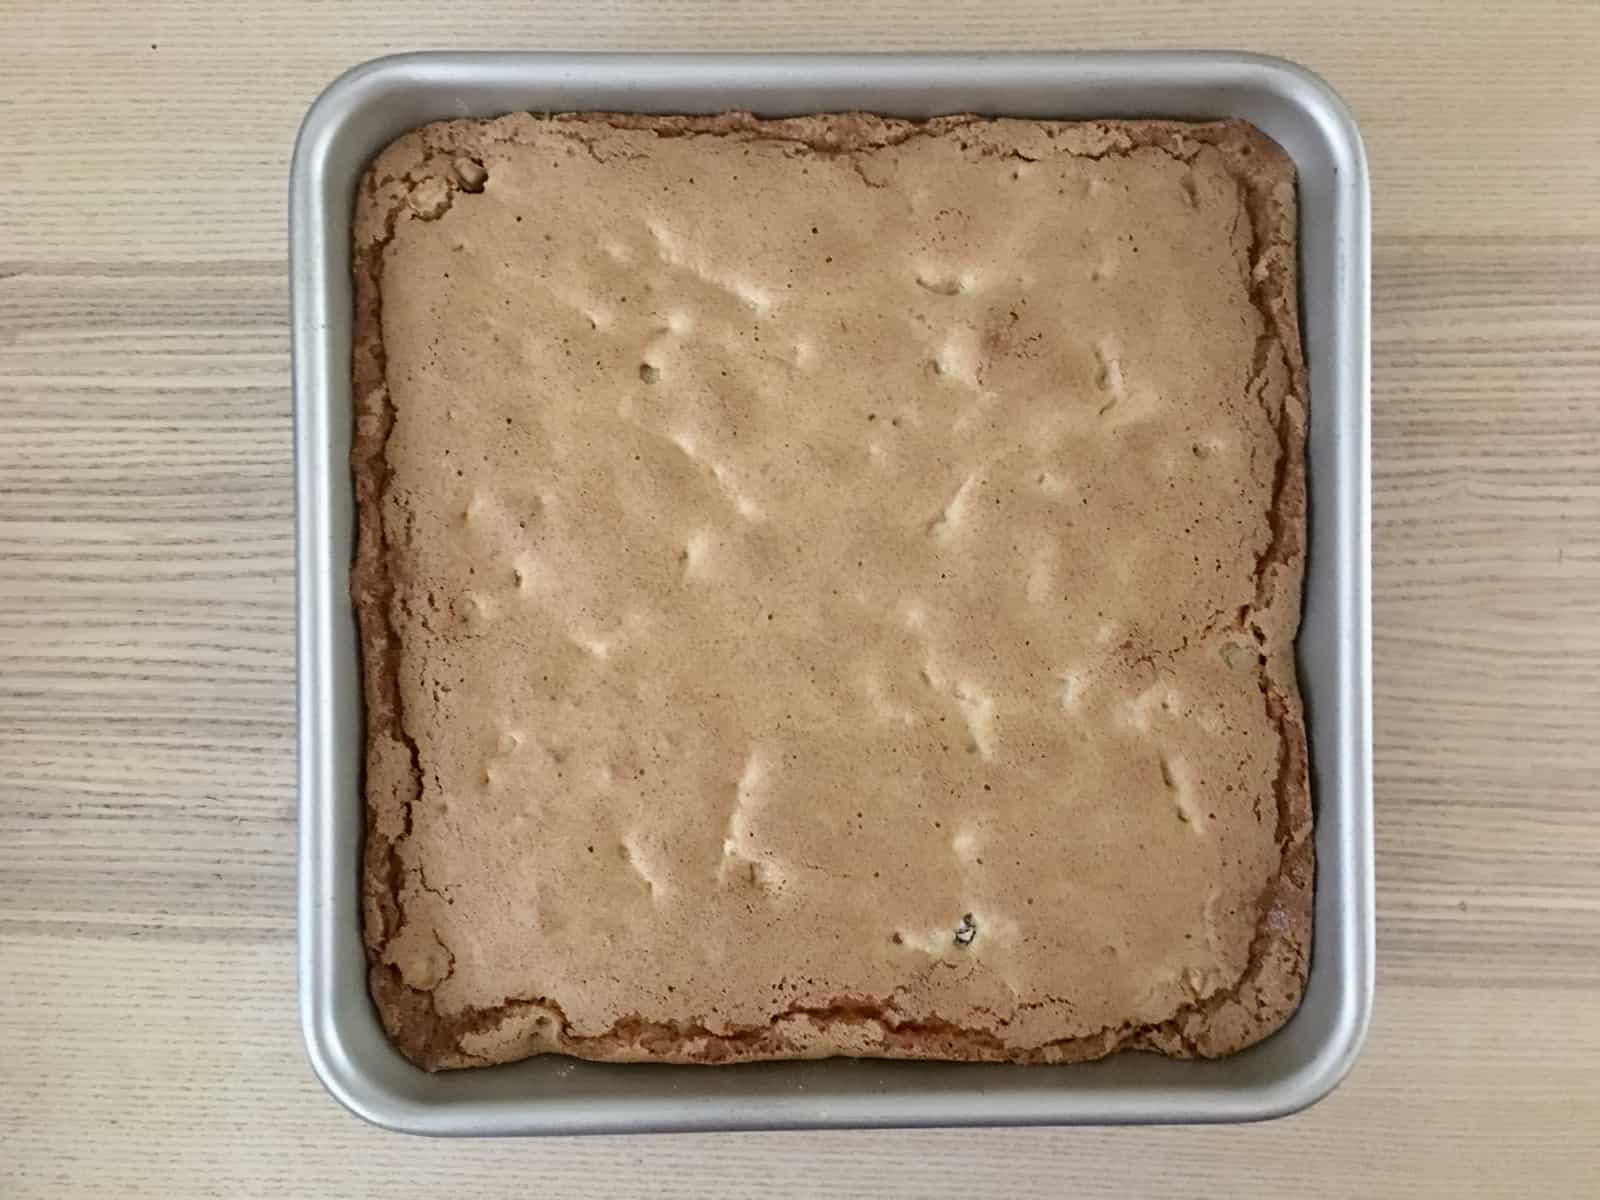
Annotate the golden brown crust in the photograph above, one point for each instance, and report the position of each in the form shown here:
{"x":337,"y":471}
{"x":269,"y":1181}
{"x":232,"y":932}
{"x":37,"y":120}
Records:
{"x":418,"y":179}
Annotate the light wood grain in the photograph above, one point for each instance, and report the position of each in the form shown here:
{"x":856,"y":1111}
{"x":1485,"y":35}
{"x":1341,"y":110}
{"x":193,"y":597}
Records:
{"x":148,"y":1038}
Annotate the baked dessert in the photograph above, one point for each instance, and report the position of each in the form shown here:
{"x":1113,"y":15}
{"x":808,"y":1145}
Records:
{"x":828,"y":587}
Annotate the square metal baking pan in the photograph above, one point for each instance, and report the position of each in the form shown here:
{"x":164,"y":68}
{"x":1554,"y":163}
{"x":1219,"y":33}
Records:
{"x":372,"y":104}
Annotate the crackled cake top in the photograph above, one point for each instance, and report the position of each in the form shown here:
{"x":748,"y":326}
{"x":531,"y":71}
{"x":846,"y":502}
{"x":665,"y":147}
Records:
{"x":829,"y":587}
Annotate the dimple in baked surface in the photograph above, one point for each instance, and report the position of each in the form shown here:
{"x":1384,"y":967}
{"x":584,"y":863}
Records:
{"x":828,"y":586}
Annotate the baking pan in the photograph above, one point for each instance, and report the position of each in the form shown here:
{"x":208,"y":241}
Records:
{"x":372,"y":104}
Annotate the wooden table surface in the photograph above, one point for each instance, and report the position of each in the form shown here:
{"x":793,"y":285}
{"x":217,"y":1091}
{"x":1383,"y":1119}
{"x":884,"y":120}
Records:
{"x":148,"y":1035}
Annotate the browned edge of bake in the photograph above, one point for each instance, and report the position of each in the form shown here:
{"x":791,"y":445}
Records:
{"x":449,"y":160}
